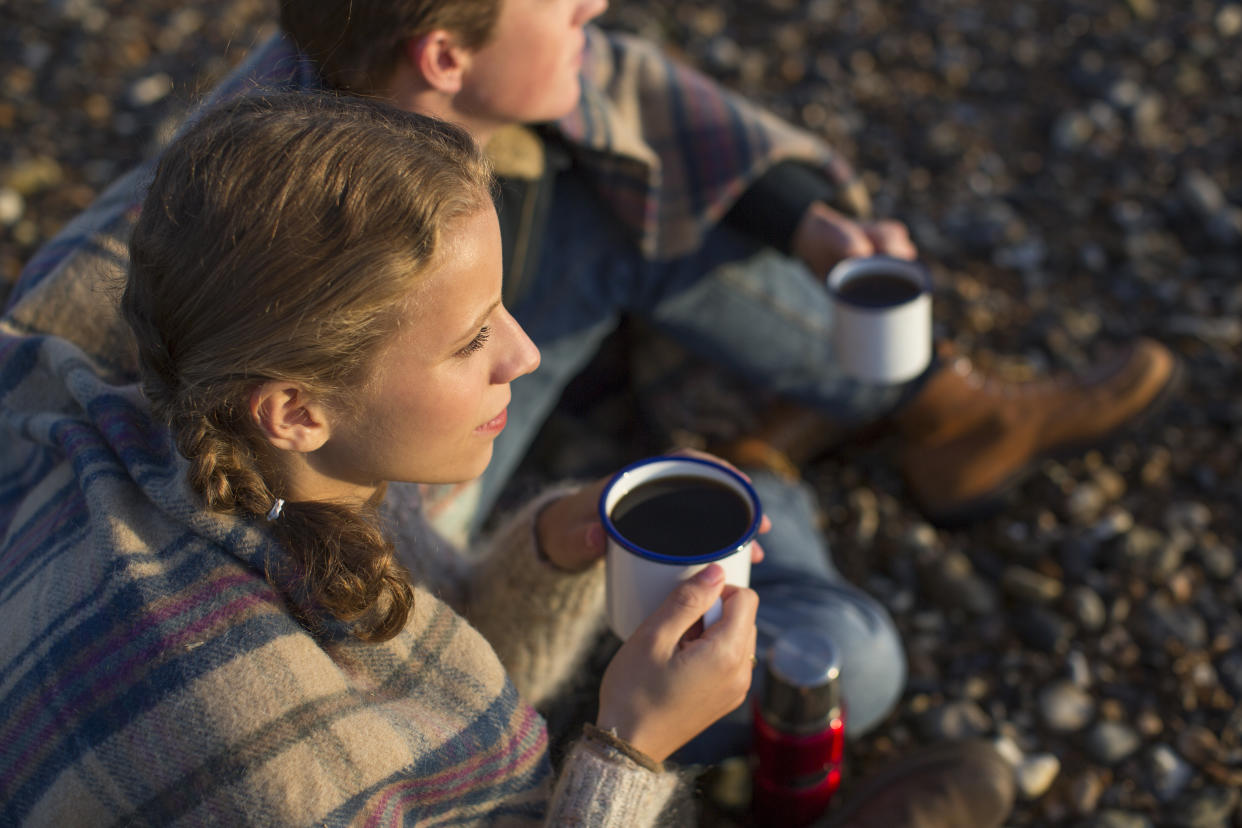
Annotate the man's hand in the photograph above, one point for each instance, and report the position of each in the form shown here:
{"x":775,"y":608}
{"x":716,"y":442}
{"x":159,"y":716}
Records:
{"x":824,"y":237}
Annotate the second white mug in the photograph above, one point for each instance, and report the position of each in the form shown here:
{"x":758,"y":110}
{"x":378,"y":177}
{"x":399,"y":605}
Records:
{"x":882,"y":318}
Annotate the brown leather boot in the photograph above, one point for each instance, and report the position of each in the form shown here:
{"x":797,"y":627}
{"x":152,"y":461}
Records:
{"x":954,"y":785}
{"x":967,"y":439}
{"x":789,"y":435}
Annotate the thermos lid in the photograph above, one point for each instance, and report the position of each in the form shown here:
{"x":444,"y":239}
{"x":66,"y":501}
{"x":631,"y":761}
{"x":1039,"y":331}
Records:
{"x":802,"y":681}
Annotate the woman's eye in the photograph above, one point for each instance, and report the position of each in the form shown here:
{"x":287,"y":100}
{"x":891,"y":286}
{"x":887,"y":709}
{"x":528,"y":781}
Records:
{"x":476,"y":343}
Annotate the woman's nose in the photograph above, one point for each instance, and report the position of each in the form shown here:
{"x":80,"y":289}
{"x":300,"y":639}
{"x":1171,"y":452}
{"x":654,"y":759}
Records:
{"x":521,"y":355}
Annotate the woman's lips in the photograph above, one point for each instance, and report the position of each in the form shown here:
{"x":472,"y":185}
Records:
{"x":496,"y":424}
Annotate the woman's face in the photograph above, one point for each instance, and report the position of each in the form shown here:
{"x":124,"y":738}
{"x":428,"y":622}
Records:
{"x":527,"y":71}
{"x":438,"y":393}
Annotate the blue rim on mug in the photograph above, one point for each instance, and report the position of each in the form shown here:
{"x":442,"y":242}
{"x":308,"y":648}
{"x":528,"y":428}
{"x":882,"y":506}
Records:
{"x":706,"y":557}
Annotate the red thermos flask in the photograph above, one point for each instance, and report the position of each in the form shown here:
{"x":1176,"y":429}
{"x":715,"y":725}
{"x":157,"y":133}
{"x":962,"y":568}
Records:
{"x":799,"y":730}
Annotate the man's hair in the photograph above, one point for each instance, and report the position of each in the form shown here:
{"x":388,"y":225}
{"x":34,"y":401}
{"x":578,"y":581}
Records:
{"x":356,"y":43}
{"x":279,"y":240}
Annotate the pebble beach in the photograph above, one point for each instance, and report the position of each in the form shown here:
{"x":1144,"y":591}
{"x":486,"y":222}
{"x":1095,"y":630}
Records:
{"x":1071,"y":171}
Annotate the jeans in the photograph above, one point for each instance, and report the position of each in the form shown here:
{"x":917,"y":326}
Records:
{"x":761,"y":315}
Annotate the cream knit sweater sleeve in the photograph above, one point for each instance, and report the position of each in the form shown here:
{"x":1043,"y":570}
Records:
{"x":539,"y":619}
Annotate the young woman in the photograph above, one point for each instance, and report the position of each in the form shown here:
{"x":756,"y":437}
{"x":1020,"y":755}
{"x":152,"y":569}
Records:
{"x":218,"y":610}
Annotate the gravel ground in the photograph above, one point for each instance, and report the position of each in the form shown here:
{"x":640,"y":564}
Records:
{"x":1071,"y":170}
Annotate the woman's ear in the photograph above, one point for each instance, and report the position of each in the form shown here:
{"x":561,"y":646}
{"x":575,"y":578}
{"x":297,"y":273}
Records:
{"x":288,"y":418}
{"x":438,"y":59}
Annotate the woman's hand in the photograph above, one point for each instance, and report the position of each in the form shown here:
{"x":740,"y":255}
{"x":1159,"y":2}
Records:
{"x":662,"y":689}
{"x":569,"y":531}
{"x":824,"y":237}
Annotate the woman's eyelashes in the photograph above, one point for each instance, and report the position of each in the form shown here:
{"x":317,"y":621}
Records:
{"x":476,"y":343}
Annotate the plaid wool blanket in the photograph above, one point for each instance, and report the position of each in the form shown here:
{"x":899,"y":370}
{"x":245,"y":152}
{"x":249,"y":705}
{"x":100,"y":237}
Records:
{"x":150,"y":674}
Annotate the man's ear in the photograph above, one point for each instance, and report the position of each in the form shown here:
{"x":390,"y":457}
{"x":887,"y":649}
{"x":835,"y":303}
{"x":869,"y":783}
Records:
{"x":440,"y":59}
{"x":288,"y":418}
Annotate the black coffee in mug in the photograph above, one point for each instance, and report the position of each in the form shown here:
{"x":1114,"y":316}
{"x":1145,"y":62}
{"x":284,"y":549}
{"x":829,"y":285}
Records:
{"x":878,"y":290}
{"x":682,"y":516}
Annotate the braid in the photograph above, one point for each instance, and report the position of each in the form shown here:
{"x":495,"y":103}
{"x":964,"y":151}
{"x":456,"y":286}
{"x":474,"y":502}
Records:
{"x":222,"y":470}
{"x":348,"y":568}
{"x":344,"y":567}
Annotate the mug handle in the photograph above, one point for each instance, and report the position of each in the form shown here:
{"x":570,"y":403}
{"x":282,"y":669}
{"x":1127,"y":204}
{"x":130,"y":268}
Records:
{"x":713,"y":614}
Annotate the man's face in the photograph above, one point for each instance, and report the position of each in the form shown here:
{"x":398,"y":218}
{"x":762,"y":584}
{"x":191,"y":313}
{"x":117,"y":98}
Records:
{"x":528,"y":71}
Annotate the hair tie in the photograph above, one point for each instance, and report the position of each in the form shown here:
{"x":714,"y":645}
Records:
{"x":277,"y":508}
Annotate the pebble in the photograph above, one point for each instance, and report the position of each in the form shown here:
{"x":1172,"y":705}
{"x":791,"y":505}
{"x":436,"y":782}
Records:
{"x":1201,"y":192}
{"x":1085,"y":790}
{"x":1030,"y":586}
{"x":1066,"y":707}
{"x":1110,"y":742}
{"x":1009,"y":750}
{"x":953,"y":584}
{"x":1208,"y":808}
{"x":1119,"y":819}
{"x":1036,"y":774}
{"x":1169,"y":772}
{"x":955,"y":721}
{"x":1087,"y":608}
{"x":1042,"y":629}
{"x":150,"y":89}
{"x":1165,"y":623}
{"x":1229,"y":20}
{"x":12,"y":205}
{"x":35,"y":175}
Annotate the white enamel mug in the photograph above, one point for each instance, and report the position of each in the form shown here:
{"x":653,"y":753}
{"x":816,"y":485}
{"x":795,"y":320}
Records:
{"x":640,"y":579}
{"x":883,"y":342}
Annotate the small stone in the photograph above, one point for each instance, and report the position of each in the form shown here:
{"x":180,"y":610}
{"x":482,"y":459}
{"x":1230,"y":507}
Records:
{"x":1229,"y":20}
{"x":1119,"y":819}
{"x":951,"y":582}
{"x":1036,"y":774}
{"x":1009,"y":750}
{"x":1110,"y":742}
{"x":1165,"y":623}
{"x":1169,"y":772}
{"x":1042,"y":629}
{"x":1085,"y":790}
{"x":35,"y":175}
{"x":1230,"y":671}
{"x":1201,"y":193}
{"x":1137,"y":548}
{"x":728,"y":783}
{"x":954,"y":721}
{"x":12,"y":206}
{"x":1222,"y":331}
{"x":1109,"y":482}
{"x":1071,"y":131}
{"x":1087,"y":608}
{"x":1200,"y":745}
{"x":1206,"y":808}
{"x":150,"y":89}
{"x":1085,"y":503}
{"x":1079,"y":669}
{"x":1066,"y":707}
{"x":1149,"y":724}
{"x":1030,"y":586}
{"x":1116,"y":521}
